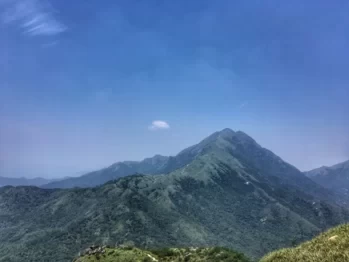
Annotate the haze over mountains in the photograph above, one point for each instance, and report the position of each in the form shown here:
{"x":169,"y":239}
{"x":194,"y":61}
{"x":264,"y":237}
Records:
{"x":335,"y":177}
{"x":154,"y":165}
{"x":226,"y":191}
{"x":22,"y":181}
{"x":164,"y":164}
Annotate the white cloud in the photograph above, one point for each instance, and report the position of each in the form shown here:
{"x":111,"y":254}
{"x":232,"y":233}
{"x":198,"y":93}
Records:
{"x":34,"y":16}
{"x":158,"y":125}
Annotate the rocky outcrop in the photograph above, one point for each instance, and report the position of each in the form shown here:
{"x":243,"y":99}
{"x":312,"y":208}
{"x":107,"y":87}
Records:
{"x":93,"y":250}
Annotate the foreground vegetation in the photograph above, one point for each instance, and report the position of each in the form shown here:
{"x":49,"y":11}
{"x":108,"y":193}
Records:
{"x":131,"y":254}
{"x":331,"y":246}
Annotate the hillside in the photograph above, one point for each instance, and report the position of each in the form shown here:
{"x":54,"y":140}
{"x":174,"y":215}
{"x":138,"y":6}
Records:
{"x":131,"y":254}
{"x":335,"y":177}
{"x":330,"y":246}
{"x":233,"y":193}
{"x":154,"y":165}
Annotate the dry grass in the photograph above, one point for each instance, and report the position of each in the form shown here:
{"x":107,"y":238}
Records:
{"x":331,"y":246}
{"x":215,"y":254}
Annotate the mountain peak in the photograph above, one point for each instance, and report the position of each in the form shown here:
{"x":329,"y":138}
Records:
{"x":226,"y":172}
{"x":156,"y":159}
{"x":227,"y":131}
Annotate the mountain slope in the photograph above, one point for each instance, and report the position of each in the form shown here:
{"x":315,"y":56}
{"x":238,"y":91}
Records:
{"x":233,"y":193}
{"x":335,"y":177}
{"x":14,"y":181}
{"x":154,"y":165}
{"x":330,"y":246}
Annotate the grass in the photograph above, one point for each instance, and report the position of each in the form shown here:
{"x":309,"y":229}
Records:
{"x":331,"y":246}
{"x":214,"y":254}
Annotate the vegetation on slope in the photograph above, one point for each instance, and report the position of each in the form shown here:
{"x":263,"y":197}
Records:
{"x":234,"y":194}
{"x":154,"y":165}
{"x":331,"y":246}
{"x":131,"y":254}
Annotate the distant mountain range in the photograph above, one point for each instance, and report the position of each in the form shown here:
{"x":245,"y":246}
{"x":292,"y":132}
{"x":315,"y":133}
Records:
{"x":225,"y":191}
{"x":335,"y":177}
{"x":154,"y":165}
{"x":11,"y":181}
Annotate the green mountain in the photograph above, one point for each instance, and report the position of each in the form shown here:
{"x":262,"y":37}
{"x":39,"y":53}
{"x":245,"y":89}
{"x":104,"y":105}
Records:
{"x":335,"y":177}
{"x":154,"y":165}
{"x":231,"y":192}
{"x":331,"y":246}
{"x":131,"y":254}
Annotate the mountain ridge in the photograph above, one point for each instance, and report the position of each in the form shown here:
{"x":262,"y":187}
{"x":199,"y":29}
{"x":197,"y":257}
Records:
{"x":22,"y":181}
{"x":334,"y":177}
{"x":153,"y":165}
{"x":233,"y":193}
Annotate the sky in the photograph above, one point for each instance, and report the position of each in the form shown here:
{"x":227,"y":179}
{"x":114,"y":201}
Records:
{"x":84,"y":84}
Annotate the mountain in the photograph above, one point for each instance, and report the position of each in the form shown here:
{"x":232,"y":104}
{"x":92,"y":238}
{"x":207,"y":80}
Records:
{"x":192,"y":254}
{"x":229,"y":191}
{"x":335,"y":177}
{"x":330,"y":246}
{"x":12,"y":181}
{"x":154,"y":165}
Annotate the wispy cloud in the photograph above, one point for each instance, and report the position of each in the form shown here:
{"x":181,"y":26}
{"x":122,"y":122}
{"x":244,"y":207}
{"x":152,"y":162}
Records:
{"x":36,"y":17}
{"x":158,"y":125}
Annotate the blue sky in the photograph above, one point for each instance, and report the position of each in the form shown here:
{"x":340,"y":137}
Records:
{"x":82,"y":81}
